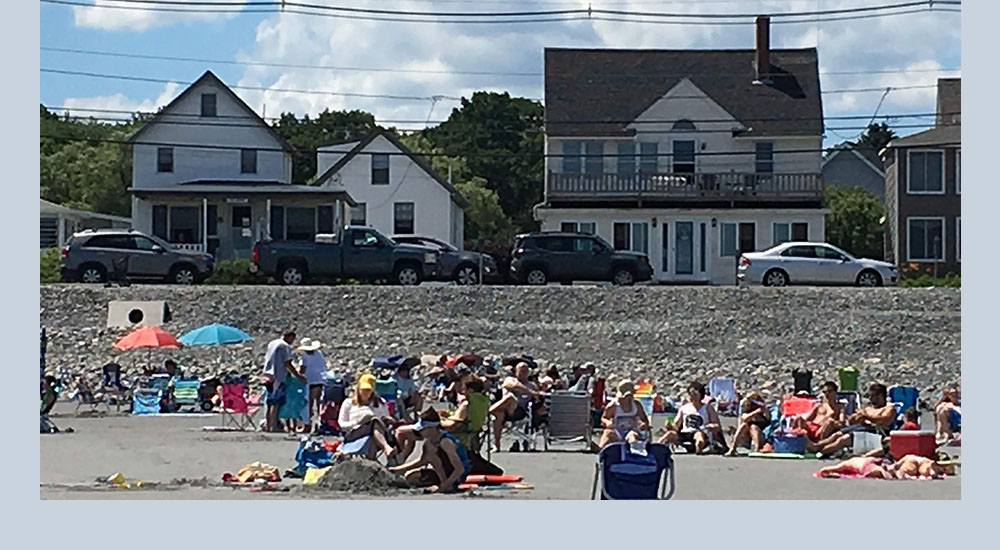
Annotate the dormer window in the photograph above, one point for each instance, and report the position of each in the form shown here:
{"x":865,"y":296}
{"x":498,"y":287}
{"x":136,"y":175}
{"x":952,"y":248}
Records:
{"x":683,"y":125}
{"x":208,"y":105}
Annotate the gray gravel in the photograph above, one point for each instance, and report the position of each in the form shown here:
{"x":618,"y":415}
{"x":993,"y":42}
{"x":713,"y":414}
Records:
{"x":756,"y":335}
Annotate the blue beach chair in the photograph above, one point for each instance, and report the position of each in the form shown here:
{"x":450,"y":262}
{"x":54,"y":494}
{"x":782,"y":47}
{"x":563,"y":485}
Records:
{"x":902,"y":398}
{"x":624,"y":475}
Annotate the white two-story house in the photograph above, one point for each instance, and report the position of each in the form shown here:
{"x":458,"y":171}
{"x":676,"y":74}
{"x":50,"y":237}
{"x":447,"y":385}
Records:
{"x":689,"y":156}
{"x":209,"y":174}
{"x":396,"y":191}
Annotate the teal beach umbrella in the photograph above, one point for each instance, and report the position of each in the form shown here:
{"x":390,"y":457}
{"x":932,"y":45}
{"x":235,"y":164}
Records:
{"x":213,"y":335}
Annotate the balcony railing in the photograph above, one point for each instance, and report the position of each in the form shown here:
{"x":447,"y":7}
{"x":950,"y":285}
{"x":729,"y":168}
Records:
{"x":699,"y":186}
{"x":190,"y":247}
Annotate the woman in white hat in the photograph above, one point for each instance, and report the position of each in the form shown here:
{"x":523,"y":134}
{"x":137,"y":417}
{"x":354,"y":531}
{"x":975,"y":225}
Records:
{"x":623,"y":418}
{"x":314,"y":365}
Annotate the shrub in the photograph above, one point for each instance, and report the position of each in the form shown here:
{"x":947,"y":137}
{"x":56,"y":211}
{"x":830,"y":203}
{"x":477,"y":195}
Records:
{"x":236,"y":272}
{"x":50,"y":266}
{"x":950,"y":280}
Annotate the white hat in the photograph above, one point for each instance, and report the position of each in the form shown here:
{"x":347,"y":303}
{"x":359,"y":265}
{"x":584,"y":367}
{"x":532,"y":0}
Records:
{"x":308,"y":344}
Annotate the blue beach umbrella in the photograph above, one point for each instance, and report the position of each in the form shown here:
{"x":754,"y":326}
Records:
{"x":213,"y":335}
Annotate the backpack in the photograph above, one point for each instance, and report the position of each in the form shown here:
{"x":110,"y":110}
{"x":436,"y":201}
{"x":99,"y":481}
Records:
{"x":334,"y":389}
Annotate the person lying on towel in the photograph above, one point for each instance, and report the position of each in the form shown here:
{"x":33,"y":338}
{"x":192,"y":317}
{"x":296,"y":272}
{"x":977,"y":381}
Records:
{"x":443,"y":462}
{"x":908,"y":467}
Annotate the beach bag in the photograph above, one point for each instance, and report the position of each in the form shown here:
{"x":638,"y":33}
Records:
{"x":803,"y":380}
{"x":334,"y":389}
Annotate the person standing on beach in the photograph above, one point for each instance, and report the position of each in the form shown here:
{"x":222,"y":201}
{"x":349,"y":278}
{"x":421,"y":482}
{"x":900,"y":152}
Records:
{"x":314,"y":367}
{"x":277,"y":366}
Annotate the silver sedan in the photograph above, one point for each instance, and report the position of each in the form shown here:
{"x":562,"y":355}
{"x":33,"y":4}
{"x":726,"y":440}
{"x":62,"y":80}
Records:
{"x":812,"y":264}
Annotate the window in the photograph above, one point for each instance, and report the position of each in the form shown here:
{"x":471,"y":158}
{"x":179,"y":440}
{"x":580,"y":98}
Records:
{"x":278,"y":223}
{"x":783,"y":232}
{"x":301,"y":224}
{"x":648,"y":158}
{"x":365,"y":239}
{"x":571,"y":157}
{"x":165,"y":159}
{"x":120,"y":242}
{"x":799,"y":252}
{"x":594,"y":161}
{"x":958,"y":239}
{"x":737,"y":238}
{"x":402,"y":223}
{"x":556,"y":244}
{"x":800,"y":231}
{"x":359,"y":214}
{"x":380,"y":169}
{"x":925,"y":239}
{"x":683,"y":125}
{"x":826,"y":253}
{"x":248,"y":161}
{"x":958,"y":172}
{"x":142,"y":243}
{"x":213,"y":220}
{"x":160,"y":221}
{"x":324,"y":219}
{"x":925,"y":170}
{"x":578,"y":227}
{"x":764,"y":157}
{"x":626,"y":159}
{"x":702,"y":249}
{"x":586,"y":244}
{"x":632,"y":236}
{"x":185,"y":224}
{"x":683,"y":157}
{"x":208,"y":105}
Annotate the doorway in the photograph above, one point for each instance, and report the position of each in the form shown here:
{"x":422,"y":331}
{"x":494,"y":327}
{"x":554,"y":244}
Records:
{"x":241,"y":231}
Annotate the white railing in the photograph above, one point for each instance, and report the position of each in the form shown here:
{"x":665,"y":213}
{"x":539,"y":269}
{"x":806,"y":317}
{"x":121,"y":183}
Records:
{"x":190,"y":247}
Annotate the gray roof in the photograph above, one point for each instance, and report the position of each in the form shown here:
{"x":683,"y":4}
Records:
{"x":607,"y":89}
{"x":857,"y":153}
{"x":210,"y":77}
{"x":949,"y":101}
{"x":937,"y":136}
{"x":416,"y":158}
{"x":222,"y":187}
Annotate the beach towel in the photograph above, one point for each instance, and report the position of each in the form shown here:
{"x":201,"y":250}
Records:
{"x":296,"y":400}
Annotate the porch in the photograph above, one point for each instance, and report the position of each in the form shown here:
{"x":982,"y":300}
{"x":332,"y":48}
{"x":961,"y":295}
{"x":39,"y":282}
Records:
{"x":564,"y":186}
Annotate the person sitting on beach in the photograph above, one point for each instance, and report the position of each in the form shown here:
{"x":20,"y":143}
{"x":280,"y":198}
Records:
{"x":826,"y":417}
{"x":443,"y":462}
{"x":947,"y":415}
{"x":623,"y":418}
{"x":910,"y":466}
{"x":518,"y":393}
{"x":409,"y":395}
{"x":911,"y":419}
{"x":363,"y":414}
{"x":454,"y":392}
{"x":876,"y":418}
{"x":697,"y":423}
{"x":756,"y":417}
{"x":551,"y":380}
{"x":456,"y":423}
{"x":171,"y":369}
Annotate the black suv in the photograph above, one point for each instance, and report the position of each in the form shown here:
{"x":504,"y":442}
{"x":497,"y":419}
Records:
{"x":539,"y":258}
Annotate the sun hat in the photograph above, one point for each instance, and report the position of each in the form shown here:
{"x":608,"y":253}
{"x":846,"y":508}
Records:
{"x":308,"y":344}
{"x":625,"y":387}
{"x":366,"y":382}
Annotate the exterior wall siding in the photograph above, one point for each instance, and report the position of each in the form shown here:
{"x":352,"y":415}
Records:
{"x":947,"y":205}
{"x":846,"y":169}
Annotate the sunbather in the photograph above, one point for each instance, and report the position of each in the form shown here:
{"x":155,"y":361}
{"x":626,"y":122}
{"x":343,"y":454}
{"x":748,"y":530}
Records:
{"x":875,"y":418}
{"x":363,"y":414}
{"x":443,"y":462}
{"x":756,"y":416}
{"x":551,"y":380}
{"x":826,"y":417}
{"x":518,"y":393}
{"x":697,"y":423}
{"x":409,"y":394}
{"x":910,"y":466}
{"x":623,"y":418}
{"x":947,"y":414}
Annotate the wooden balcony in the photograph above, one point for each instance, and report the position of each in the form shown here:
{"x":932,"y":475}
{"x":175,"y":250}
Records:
{"x":693,"y":187}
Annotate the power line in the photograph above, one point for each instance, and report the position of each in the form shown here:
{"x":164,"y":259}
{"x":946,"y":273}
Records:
{"x":422,"y":71}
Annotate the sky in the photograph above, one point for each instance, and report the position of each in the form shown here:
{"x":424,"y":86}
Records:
{"x":423,"y":60}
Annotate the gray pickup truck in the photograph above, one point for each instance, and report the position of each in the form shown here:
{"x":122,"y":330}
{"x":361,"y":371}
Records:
{"x":354,"y":253}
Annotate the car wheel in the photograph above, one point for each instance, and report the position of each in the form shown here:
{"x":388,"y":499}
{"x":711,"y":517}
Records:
{"x":292,"y":275}
{"x":623,"y":277}
{"x":869,"y":278}
{"x":182,"y":275}
{"x":536,"y":277}
{"x":776,"y":277}
{"x":466,"y":275}
{"x":93,"y":273}
{"x":407,"y":275}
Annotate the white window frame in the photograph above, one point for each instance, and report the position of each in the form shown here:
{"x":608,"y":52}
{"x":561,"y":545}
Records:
{"x":909,"y":172}
{"x":789,"y":223}
{"x":944,"y":239}
{"x":756,"y":235}
{"x":958,"y":171}
{"x":673,"y":158}
{"x":958,"y":239}
{"x":577,"y":223}
{"x":631,"y":234}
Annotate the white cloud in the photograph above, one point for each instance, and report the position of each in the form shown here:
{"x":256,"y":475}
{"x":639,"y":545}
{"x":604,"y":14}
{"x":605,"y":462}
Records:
{"x":119,"y":102}
{"x":130,"y":17}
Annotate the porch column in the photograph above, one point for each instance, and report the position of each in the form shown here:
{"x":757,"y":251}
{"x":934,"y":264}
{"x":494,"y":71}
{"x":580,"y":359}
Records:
{"x":267,"y":228}
{"x":204,"y":225}
{"x":61,"y":228}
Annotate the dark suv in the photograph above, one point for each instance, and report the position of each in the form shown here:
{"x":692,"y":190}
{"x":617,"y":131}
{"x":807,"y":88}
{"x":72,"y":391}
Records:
{"x":94,"y":255}
{"x":538,"y":258}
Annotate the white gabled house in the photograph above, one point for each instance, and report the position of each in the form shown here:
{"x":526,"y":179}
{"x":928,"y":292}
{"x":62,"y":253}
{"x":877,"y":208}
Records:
{"x":395,"y":190}
{"x":689,"y":156}
{"x":208,"y":174}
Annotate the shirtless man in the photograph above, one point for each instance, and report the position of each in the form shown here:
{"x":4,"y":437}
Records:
{"x":876,"y":418}
{"x":824,"y":419}
{"x":513,"y":406}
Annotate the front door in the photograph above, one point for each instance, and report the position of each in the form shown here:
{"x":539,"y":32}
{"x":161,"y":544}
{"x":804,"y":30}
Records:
{"x":241,"y":231}
{"x":684,"y":248}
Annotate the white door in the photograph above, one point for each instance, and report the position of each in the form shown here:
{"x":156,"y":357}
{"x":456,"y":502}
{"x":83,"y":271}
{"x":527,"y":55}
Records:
{"x":682,"y":249}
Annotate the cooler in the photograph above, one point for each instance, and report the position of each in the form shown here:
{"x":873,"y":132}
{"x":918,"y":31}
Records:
{"x":789,"y":443}
{"x":848,"y":379}
{"x":912,"y":442}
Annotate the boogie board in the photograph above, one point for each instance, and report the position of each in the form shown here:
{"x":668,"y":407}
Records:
{"x":477,"y":479}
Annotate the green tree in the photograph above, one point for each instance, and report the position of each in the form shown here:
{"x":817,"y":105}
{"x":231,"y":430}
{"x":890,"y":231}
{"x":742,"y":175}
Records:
{"x":873,"y":140}
{"x":484,"y":218}
{"x":307,"y":134}
{"x":854,"y":222}
{"x":501,"y":139}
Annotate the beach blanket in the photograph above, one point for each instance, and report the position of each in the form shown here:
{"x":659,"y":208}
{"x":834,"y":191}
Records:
{"x":296,"y":400}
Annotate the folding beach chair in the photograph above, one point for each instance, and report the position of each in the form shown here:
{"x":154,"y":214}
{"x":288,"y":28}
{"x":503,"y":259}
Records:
{"x":598,"y":401}
{"x":624,"y":475}
{"x":146,"y":401}
{"x":902,"y":398}
{"x":793,"y":406}
{"x":724,"y":392}
{"x":475,"y":428}
{"x":112,"y":385}
{"x":388,"y":390}
{"x":186,"y":394}
{"x":850,"y":400}
{"x":84,"y":395}
{"x":569,"y":418}
{"x":238,"y":410}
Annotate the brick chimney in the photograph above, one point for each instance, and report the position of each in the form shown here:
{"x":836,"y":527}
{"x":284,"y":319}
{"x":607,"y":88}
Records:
{"x":763,"y":58}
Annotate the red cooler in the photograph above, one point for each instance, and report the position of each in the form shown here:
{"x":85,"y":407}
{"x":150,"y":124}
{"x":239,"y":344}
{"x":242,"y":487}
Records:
{"x":912,"y":442}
